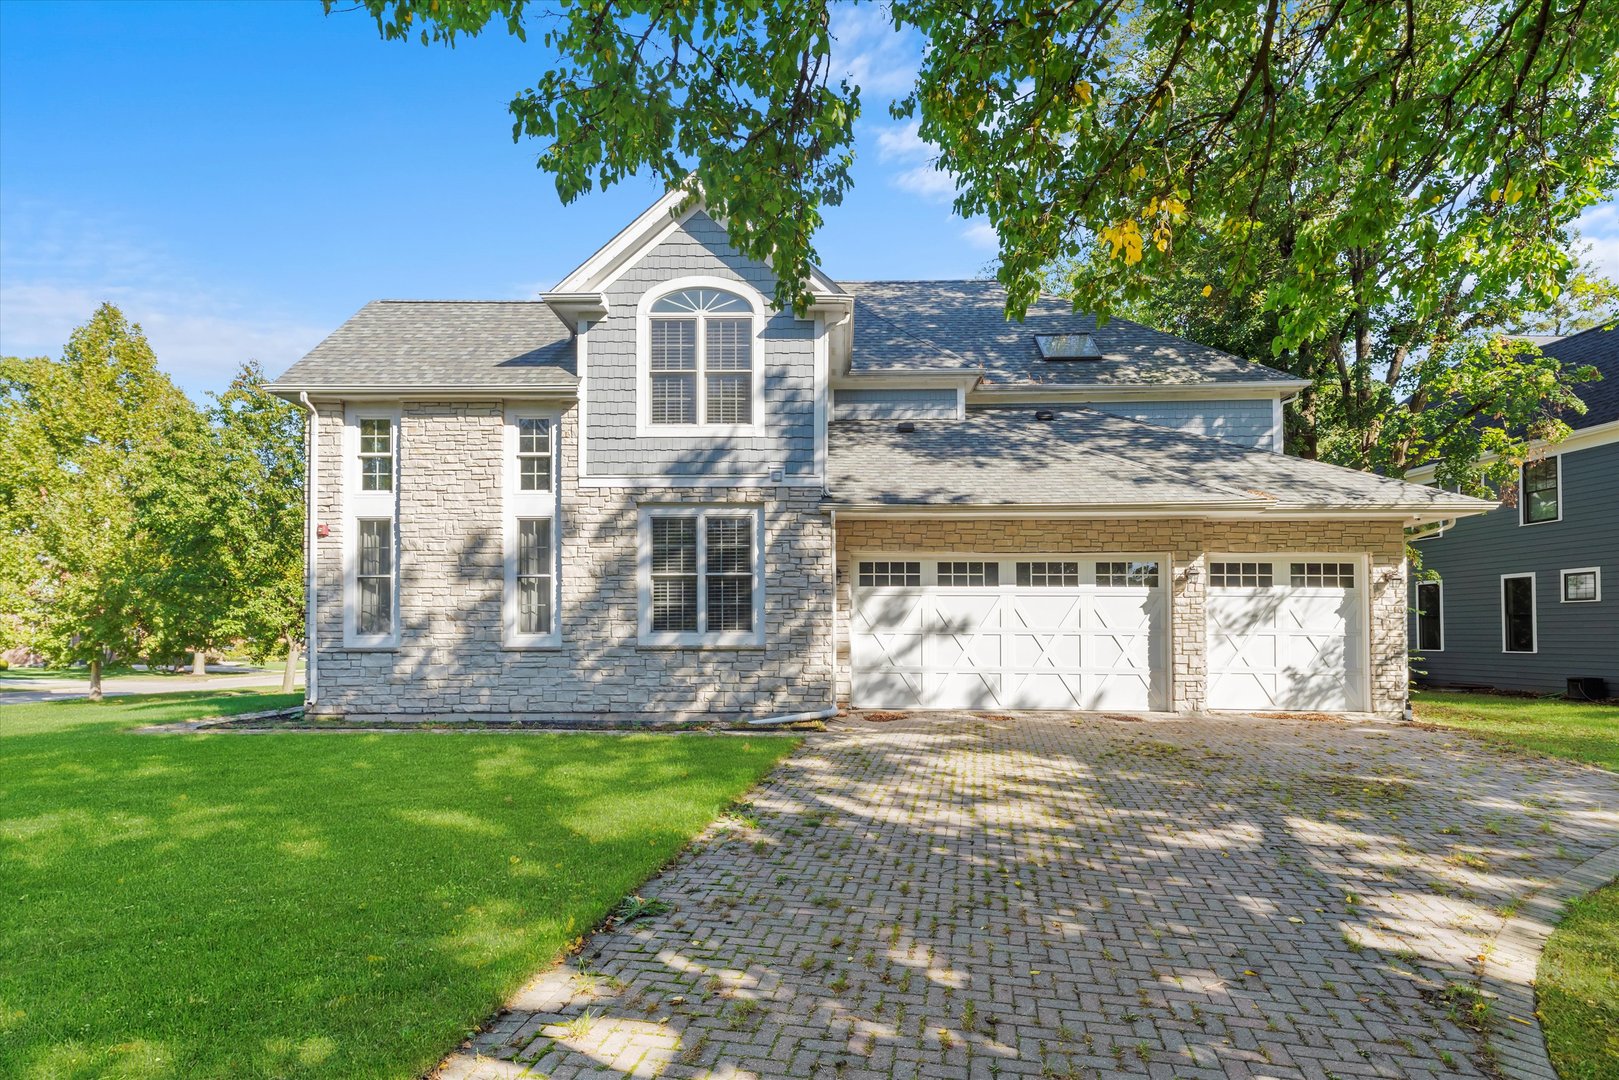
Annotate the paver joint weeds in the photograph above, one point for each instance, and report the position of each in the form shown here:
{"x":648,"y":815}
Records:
{"x":959,"y":897}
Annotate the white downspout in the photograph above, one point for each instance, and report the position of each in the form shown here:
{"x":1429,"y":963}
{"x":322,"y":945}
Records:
{"x":311,"y":546}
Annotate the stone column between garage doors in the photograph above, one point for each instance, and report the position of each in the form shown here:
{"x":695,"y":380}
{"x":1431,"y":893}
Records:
{"x":1188,"y":542}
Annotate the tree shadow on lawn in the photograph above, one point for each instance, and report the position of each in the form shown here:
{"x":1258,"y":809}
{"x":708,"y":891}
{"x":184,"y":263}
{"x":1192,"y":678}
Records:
{"x":212,"y":905}
{"x":1084,"y":895}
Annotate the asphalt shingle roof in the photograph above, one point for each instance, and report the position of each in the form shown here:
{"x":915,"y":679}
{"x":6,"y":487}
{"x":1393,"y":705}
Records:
{"x":471,"y":344}
{"x":962,"y":325}
{"x":1081,"y":457}
{"x":1598,"y":347}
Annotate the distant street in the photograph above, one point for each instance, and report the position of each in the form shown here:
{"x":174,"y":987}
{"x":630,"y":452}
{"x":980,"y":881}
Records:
{"x":30,"y":691}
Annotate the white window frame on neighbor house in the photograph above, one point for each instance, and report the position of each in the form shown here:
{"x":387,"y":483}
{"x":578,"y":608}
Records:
{"x":1562,"y":584}
{"x":1523,"y":490}
{"x":1439,"y":611}
{"x":643,"y":360}
{"x":1534,"y":616}
{"x":700,"y":638}
{"x":360,"y":505}
{"x":519,"y":506}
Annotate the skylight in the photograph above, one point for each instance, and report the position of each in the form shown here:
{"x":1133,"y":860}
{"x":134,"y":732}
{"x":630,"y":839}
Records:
{"x":1067,"y":347}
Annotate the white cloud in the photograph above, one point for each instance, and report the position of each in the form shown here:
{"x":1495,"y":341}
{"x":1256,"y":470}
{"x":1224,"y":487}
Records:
{"x":1599,"y":226}
{"x":981,"y":234}
{"x":902,"y":142}
{"x":59,"y":266}
{"x":871,"y":53}
{"x":926,"y":182}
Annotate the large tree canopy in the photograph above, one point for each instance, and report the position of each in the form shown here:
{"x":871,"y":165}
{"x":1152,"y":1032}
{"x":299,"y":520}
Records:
{"x":1373,"y":189}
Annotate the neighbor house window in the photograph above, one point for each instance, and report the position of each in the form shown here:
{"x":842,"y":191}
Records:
{"x":1540,"y":494}
{"x":371,"y":550}
{"x":1430,"y":616}
{"x":1582,"y":586}
{"x":700,"y":366}
{"x":1518,"y":613}
{"x":701,"y":576}
{"x":530,"y":610}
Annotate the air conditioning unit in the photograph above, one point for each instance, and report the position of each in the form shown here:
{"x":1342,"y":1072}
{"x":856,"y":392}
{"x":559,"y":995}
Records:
{"x":1587,"y":689}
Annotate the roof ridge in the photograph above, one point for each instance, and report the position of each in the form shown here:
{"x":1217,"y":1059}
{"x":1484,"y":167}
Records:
{"x":442,"y":301}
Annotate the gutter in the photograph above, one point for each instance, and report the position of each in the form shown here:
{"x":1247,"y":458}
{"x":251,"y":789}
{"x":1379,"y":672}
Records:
{"x":311,"y":550}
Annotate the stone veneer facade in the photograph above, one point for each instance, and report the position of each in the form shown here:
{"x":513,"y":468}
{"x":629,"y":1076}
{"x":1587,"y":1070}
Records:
{"x":1189,"y":541}
{"x":450,"y":660}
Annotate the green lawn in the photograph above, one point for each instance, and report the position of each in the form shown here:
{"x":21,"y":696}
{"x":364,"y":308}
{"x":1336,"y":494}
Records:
{"x":1568,"y":729}
{"x":1577,"y":987}
{"x":302,"y":904}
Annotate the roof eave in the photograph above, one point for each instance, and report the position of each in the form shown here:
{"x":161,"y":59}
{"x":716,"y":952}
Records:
{"x":456,"y":391}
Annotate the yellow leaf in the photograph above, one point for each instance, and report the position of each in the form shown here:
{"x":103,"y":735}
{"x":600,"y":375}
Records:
{"x":1208,"y":289}
{"x":1084,"y":91}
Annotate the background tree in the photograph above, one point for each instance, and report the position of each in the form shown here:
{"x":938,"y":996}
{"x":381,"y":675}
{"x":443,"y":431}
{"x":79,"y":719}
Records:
{"x":1372,"y":184}
{"x":86,"y":431}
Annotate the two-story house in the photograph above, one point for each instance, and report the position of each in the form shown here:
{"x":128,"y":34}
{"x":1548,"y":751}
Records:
{"x":651,"y":494}
{"x":1515,"y":599}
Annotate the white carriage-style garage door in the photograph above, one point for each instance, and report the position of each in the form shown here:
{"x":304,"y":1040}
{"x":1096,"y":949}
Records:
{"x":1286,"y":632}
{"x":997,"y":632}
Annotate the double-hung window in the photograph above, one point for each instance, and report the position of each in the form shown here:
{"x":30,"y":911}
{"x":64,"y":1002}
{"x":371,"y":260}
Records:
{"x":1430,"y":616}
{"x":701,"y":576}
{"x":1518,"y":629}
{"x":530,"y":618}
{"x":1540,"y":494}
{"x":371,"y":574}
{"x":699,"y":368}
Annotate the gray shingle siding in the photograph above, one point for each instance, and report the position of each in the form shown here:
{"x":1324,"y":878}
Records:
{"x":1244,"y":421}
{"x":698,"y":248}
{"x":1579,"y":639}
{"x":895,"y":403}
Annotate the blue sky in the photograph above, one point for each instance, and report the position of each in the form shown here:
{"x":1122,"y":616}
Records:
{"x":241,"y":177}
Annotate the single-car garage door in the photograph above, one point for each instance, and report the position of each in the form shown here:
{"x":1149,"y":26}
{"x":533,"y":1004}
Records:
{"x":1286,"y":632}
{"x":1026,"y":632}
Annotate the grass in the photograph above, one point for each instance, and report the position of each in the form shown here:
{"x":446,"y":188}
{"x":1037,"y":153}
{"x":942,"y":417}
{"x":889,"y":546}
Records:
{"x":1577,"y":989}
{"x":1568,"y":729}
{"x":296,"y":905}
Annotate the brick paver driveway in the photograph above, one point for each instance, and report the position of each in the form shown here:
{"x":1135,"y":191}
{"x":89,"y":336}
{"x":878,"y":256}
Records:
{"x":968,"y":896}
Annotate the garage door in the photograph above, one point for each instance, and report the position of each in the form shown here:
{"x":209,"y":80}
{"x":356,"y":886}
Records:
{"x":1033,"y":632}
{"x":1285,"y":632}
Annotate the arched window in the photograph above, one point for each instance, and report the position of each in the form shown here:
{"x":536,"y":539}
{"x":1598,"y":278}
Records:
{"x":700,"y":359}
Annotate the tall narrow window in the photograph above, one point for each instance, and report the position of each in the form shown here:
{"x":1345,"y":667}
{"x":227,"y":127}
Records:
{"x":534,"y":576}
{"x":371,"y":482}
{"x":702,"y":576}
{"x":700,"y":367}
{"x":1518,"y":613}
{"x":533,"y":454}
{"x":1430,"y":617}
{"x":1540,"y":498}
{"x":373,"y":577}
{"x":531,"y":614}
{"x":376,"y":454}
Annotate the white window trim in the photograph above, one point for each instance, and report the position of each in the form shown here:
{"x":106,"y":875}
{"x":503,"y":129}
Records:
{"x":1438,"y":584}
{"x":1534,"y":615}
{"x":1562,"y":584}
{"x":361,"y":505}
{"x":643,"y":363}
{"x":518,"y":505}
{"x":734,"y":639}
{"x":1523,"y":491}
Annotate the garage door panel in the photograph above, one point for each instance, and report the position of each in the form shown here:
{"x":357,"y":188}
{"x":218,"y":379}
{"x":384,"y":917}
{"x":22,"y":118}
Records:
{"x":1294,"y":644}
{"x":963,"y":690}
{"x":1065,"y":643}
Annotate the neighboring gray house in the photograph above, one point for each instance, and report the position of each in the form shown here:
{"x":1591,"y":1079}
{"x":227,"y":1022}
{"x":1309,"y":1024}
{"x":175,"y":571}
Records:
{"x":650,"y":494}
{"x":1526,"y":597}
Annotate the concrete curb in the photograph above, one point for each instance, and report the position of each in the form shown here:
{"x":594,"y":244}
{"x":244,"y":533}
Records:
{"x":1508,"y":971}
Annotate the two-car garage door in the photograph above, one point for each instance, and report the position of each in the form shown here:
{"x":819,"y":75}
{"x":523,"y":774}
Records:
{"x":1091,"y":632}
{"x":1032,"y":632}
